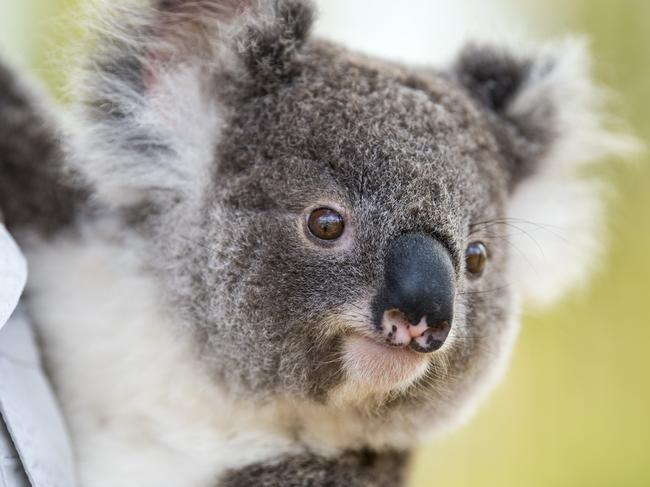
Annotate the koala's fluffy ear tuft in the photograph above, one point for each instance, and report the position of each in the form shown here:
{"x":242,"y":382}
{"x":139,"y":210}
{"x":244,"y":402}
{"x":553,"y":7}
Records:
{"x":151,"y":93}
{"x":261,"y":36}
{"x":542,"y":105}
{"x":547,"y":117}
{"x":521,"y":104}
{"x":491,"y":74}
{"x":268,"y":49}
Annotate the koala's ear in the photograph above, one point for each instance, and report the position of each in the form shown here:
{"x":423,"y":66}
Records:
{"x":548,"y":120}
{"x":151,"y":93}
{"x":542,"y":105}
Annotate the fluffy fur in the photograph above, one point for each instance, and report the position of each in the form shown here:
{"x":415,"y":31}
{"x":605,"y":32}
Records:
{"x":194,"y":333}
{"x":35,"y":189}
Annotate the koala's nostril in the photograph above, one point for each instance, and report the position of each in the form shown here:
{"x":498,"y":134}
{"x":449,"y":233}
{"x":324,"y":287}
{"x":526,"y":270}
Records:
{"x":422,"y":337}
{"x":419,"y":284}
{"x":432,"y":339}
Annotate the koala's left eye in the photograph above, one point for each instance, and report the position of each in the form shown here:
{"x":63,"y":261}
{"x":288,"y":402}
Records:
{"x":476,"y":257}
{"x":326,"y":224}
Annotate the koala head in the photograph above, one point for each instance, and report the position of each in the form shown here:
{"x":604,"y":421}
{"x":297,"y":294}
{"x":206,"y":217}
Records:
{"x":335,"y":228}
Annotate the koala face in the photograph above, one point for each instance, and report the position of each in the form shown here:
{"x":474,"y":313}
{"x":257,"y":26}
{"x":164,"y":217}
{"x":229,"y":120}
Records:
{"x":332,"y":227}
{"x":399,"y":166}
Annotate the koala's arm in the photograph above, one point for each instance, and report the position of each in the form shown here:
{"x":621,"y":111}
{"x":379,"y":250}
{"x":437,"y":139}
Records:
{"x":350,"y":469}
{"x":34,"y":189}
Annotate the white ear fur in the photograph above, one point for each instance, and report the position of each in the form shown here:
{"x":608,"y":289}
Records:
{"x":165,"y":146}
{"x":557,"y":215}
{"x":148,"y":120}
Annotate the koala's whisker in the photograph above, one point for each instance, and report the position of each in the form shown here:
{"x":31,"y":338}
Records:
{"x":523,"y":254}
{"x":357,"y":307}
{"x":504,"y":235}
{"x":485,"y":225}
{"x":546,"y":227}
{"x":515,"y":248}
{"x":357,"y":310}
{"x":337,"y":357}
{"x":502,"y":221}
{"x":485,"y":291}
{"x":499,"y":221}
{"x":354,"y":305}
{"x":353,"y":315}
{"x":436,"y":381}
{"x":356,"y":318}
{"x":506,"y":222}
{"x":472,"y":336}
{"x":536,"y":224}
{"x":529,"y":235}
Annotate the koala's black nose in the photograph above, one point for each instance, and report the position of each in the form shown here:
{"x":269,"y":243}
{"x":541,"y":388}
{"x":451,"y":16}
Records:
{"x":416,"y":304}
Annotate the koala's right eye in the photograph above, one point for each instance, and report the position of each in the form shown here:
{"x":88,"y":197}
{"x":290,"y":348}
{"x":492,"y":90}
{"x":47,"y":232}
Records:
{"x":476,"y":257}
{"x":326,"y":224}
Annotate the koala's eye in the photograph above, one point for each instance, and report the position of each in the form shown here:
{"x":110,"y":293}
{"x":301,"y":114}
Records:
{"x":326,"y":224}
{"x":476,"y":258}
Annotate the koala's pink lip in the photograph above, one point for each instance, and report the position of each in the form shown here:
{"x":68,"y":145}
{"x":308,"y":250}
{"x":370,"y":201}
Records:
{"x":382,"y":365}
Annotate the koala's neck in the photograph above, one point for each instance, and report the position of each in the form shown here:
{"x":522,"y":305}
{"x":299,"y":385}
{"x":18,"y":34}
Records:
{"x":136,"y":397}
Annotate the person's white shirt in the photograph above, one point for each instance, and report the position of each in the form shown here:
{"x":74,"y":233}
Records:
{"x":34,"y":446}
{"x":13,"y":274}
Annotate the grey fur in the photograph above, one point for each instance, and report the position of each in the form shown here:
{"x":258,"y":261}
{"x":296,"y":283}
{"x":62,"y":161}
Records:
{"x":350,"y":469}
{"x":300,"y":122}
{"x":34,"y":191}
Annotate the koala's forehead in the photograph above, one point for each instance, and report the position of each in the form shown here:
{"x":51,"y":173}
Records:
{"x":344,"y":118}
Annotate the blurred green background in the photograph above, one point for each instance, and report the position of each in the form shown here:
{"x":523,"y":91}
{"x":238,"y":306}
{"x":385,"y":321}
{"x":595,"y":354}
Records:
{"x":574,"y":408}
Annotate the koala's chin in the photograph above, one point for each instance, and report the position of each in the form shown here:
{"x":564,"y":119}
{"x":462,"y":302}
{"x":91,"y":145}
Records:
{"x":376,"y":369}
{"x":278,"y":262}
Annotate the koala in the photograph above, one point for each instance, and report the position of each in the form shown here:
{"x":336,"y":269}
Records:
{"x":259,"y":258}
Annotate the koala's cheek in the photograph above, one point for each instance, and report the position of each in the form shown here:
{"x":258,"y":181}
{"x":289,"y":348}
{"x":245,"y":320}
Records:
{"x":379,"y":368}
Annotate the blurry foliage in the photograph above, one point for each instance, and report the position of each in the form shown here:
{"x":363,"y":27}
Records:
{"x":573,"y":409}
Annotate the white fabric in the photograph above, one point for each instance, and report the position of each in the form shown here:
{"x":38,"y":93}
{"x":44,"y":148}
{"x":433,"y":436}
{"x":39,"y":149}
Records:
{"x":34,"y":435}
{"x":34,"y":447}
{"x":13,"y":273}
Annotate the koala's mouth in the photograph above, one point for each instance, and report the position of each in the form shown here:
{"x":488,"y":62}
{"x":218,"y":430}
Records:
{"x":391,"y":353}
{"x":380,"y":366}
